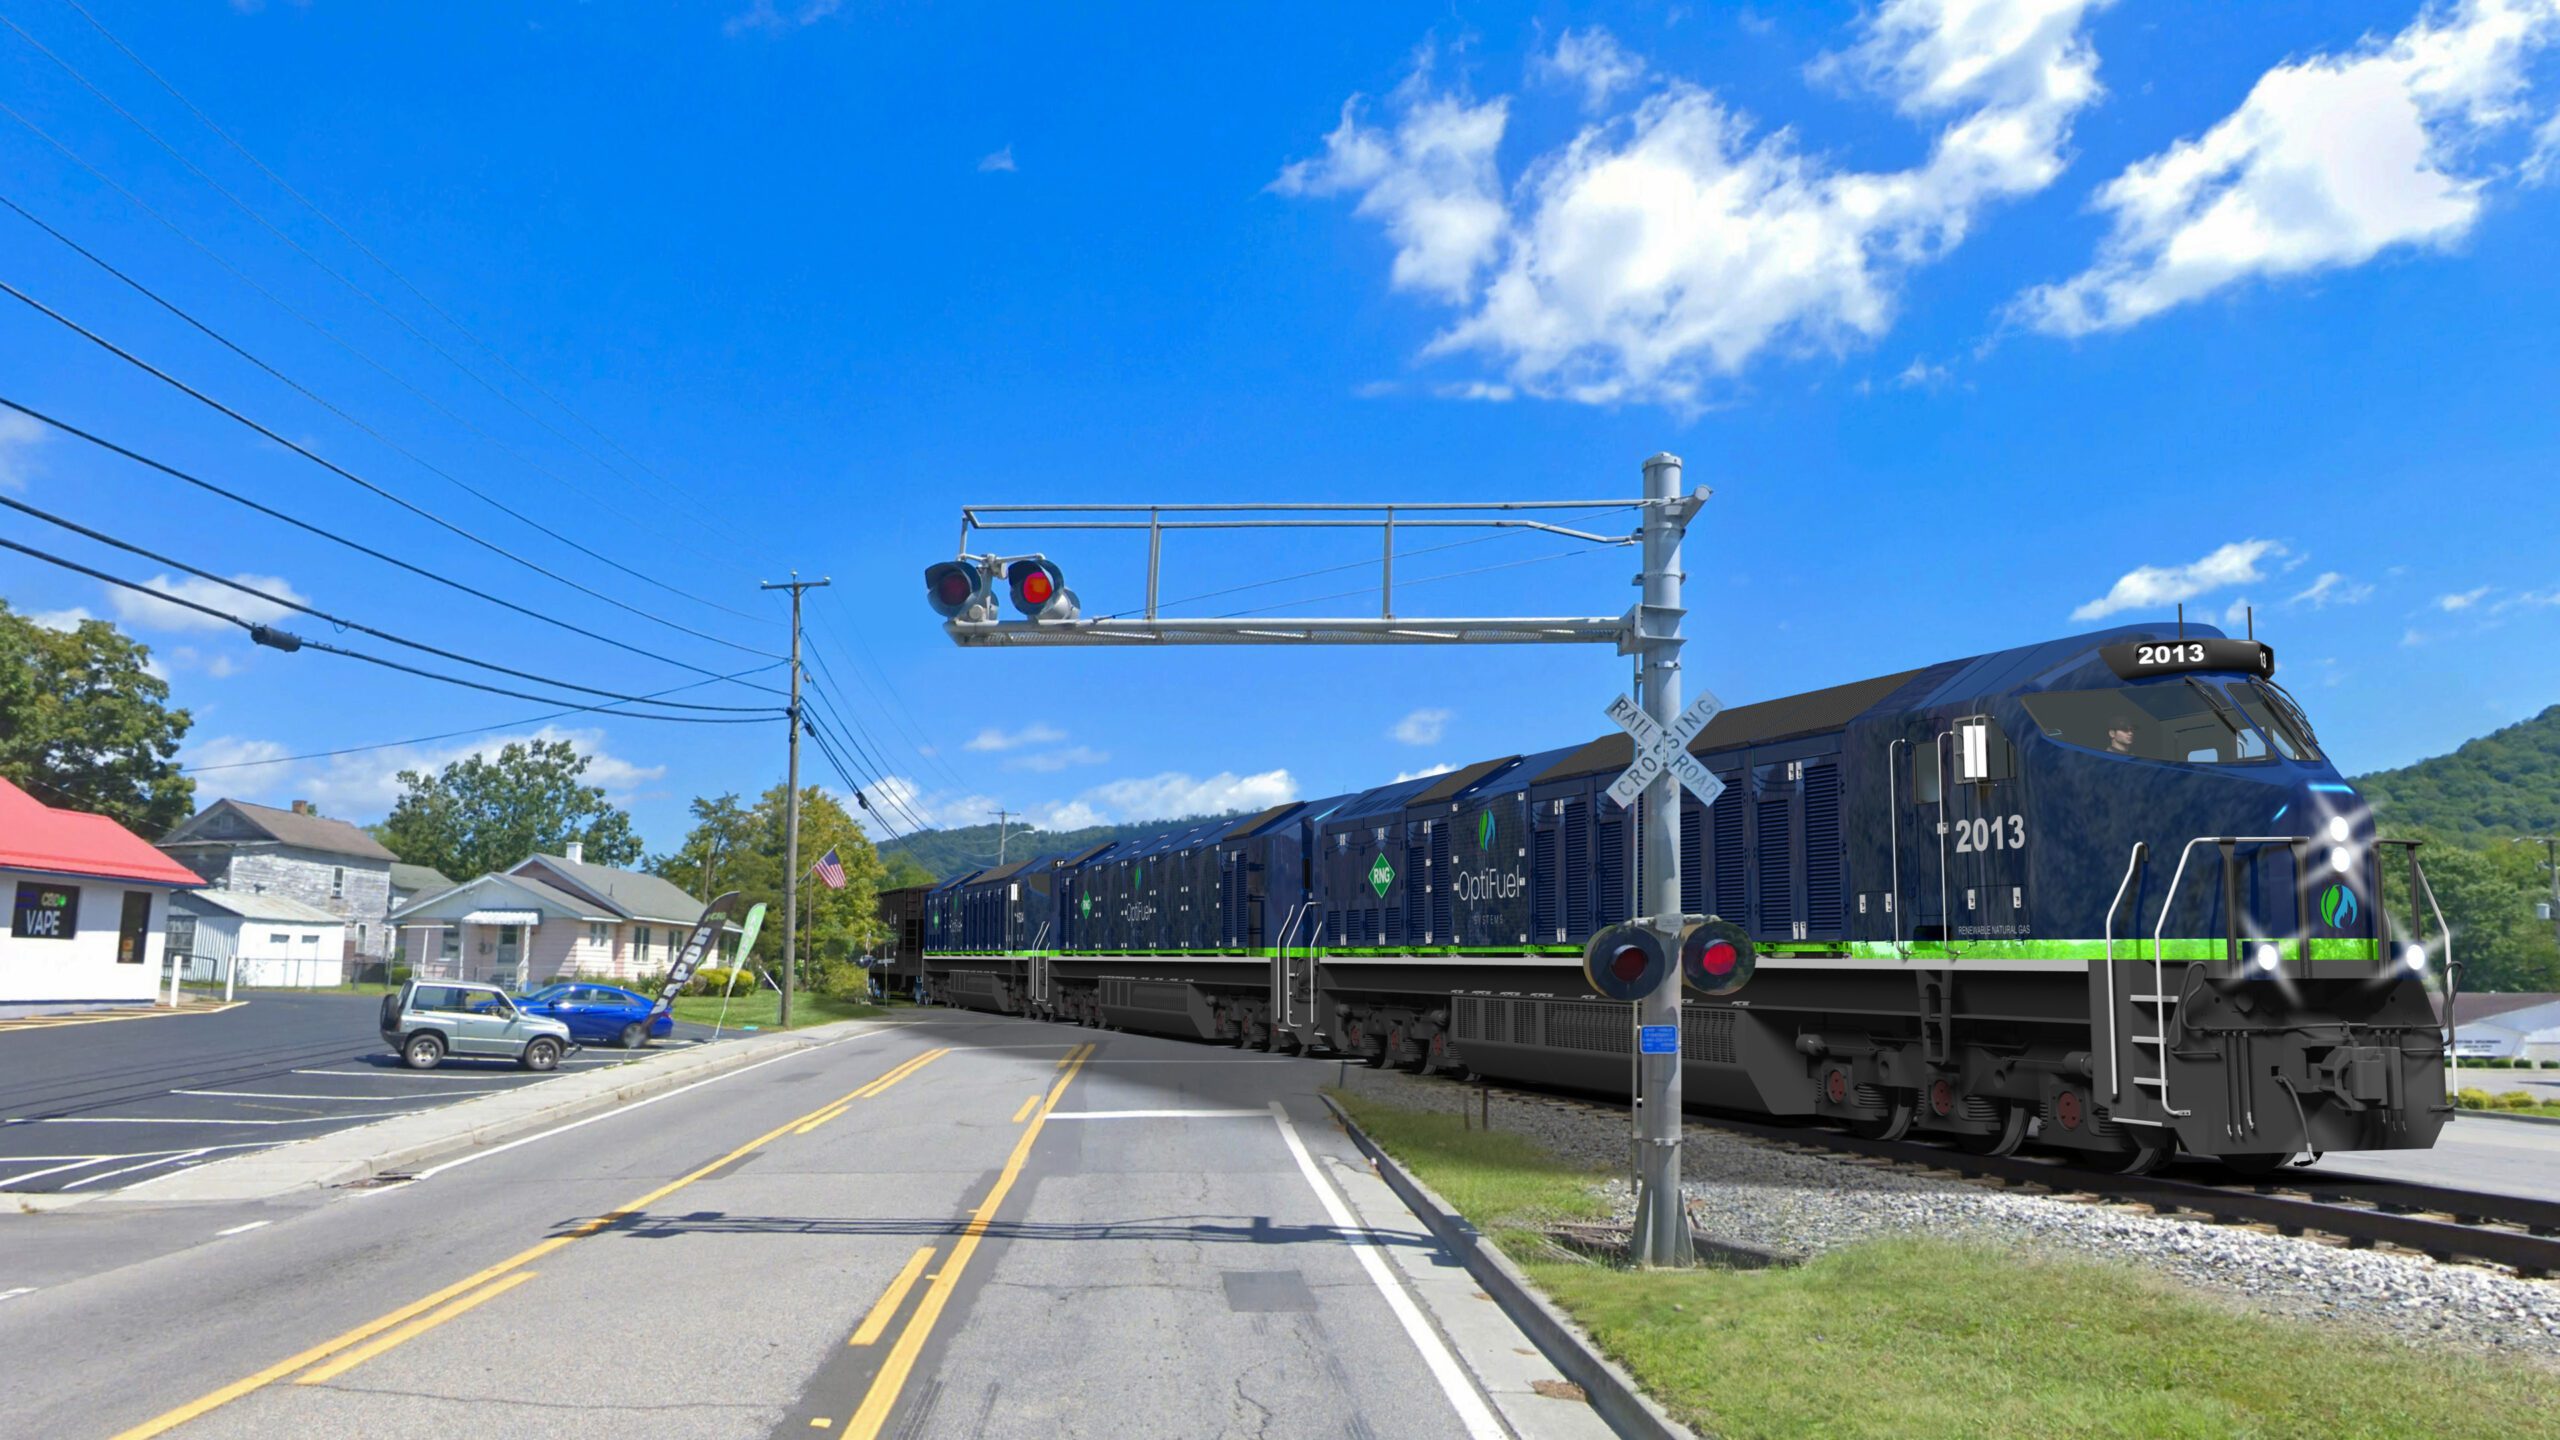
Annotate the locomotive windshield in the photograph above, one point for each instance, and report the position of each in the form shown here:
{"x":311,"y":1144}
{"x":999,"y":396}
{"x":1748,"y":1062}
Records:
{"x":2276,"y":714}
{"x":2189,"y":722}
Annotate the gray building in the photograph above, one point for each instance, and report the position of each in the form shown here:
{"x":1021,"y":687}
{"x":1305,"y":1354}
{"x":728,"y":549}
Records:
{"x":327,"y":864}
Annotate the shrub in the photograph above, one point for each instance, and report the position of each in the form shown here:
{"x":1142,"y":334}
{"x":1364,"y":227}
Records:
{"x":2516,"y":1100}
{"x":2471,"y":1099}
{"x":712,"y":980}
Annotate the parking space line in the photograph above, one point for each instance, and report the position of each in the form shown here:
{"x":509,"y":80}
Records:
{"x":77,"y":1162}
{"x":414,"y":1329}
{"x":241,"y":1229}
{"x":189,"y":1120}
{"x":1454,"y":1384}
{"x":885,"y":1308}
{"x":404,"y":1072}
{"x":14,"y":1294}
{"x":129,"y":1169}
{"x":358,"y":1099}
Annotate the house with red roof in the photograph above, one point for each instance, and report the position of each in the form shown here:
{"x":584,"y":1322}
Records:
{"x":88,"y":906}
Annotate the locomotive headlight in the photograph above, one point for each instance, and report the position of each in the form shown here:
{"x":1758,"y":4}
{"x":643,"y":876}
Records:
{"x":2342,"y":859}
{"x":2266,"y":957}
{"x":2338,"y":830}
{"x":2414,"y":955}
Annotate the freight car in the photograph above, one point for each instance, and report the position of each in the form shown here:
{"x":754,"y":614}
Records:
{"x":2107,"y":891}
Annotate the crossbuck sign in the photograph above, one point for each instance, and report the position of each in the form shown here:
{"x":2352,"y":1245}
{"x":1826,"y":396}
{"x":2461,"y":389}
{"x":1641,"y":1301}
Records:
{"x":1657,"y":750}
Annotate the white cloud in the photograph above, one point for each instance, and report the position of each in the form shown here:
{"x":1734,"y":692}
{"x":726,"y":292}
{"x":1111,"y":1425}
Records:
{"x":1038,"y":732}
{"x":2463,"y":601}
{"x":1173,"y":793}
{"x":1430,"y":180}
{"x":2330,"y":589}
{"x":1437,"y":767}
{"x":1485,"y":390}
{"x":1921,"y":375}
{"x":59,"y":619}
{"x":1000,"y":161}
{"x":1073,"y":815}
{"x":1422,"y":727}
{"x":1591,"y":60}
{"x":2526,"y":598}
{"x":772,"y":19}
{"x":19,"y":436}
{"x":138,"y":609}
{"x":2155,"y":585}
{"x":364,"y":787}
{"x":2412,"y":637}
{"x":2329,"y":162}
{"x":2538,"y":166}
{"x":1049,"y":762}
{"x":1670,"y":245}
{"x":900,"y":803}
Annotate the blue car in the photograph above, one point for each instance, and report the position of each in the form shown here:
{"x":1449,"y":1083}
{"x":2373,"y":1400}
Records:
{"x":597,"y":1013}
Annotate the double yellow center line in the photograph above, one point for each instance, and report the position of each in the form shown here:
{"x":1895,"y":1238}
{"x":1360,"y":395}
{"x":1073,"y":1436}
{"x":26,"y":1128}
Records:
{"x":892,"y":1379}
{"x":346,"y":1351}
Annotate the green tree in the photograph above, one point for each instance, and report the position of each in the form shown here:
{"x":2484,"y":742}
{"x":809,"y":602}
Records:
{"x":904,"y":870}
{"x":85,"y":725}
{"x":477,"y":814}
{"x":746,"y":843}
{"x":2488,"y":894}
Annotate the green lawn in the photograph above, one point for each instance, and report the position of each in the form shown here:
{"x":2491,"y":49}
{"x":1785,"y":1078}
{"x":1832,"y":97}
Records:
{"x":761,"y":1007}
{"x":1915,"y":1337}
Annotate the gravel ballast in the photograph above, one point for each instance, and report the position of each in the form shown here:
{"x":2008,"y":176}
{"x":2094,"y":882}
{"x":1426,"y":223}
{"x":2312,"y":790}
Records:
{"x":1799,"y":1203}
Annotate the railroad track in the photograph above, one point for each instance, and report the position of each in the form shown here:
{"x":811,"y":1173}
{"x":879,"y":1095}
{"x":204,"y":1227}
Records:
{"x":2446,"y":1224}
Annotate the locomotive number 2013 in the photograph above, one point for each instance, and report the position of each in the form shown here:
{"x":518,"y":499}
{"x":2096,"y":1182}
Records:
{"x":2189,"y":653}
{"x":1991,"y":832}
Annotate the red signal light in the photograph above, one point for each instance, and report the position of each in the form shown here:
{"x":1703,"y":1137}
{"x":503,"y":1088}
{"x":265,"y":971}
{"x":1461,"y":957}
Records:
{"x":952,"y":586}
{"x":1037,"y":588}
{"x":1629,"y":964}
{"x":1626,"y":961}
{"x":1716,"y":956}
{"x":1719,"y":958}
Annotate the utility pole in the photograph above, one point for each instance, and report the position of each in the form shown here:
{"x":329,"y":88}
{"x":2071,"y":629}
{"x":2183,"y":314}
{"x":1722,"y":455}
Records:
{"x":1001,"y":832}
{"x":2550,"y":861}
{"x":791,"y":809}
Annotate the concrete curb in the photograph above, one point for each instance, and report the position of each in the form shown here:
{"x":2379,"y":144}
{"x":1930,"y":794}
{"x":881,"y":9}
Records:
{"x":2510,"y":1115}
{"x":1612,"y":1391}
{"x":411,"y":1142}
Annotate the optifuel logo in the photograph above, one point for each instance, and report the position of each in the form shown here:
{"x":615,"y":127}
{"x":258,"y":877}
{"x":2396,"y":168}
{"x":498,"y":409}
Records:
{"x":2339,"y":907}
{"x":1484,"y":831}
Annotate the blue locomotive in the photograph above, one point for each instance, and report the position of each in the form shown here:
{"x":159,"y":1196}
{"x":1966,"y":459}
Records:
{"x":2105,"y":891}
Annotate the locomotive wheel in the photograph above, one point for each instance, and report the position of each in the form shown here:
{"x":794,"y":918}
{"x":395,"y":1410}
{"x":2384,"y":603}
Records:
{"x":1253,"y":1035}
{"x":2004,"y":1141}
{"x":2255,"y":1167}
{"x":1373,"y":1050}
{"x":1410,"y":1057}
{"x":1893,"y":1125}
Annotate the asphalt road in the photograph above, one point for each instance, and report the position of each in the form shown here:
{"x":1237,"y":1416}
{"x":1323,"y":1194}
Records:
{"x":106,"y":1104}
{"x":958,"y":1226}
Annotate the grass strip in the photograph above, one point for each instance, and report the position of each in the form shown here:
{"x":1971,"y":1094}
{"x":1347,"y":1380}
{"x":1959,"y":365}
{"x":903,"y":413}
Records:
{"x":762,"y":1010}
{"x":1912,"y":1337}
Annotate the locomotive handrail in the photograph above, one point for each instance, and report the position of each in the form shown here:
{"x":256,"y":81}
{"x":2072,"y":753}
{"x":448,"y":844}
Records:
{"x":2159,"y":972}
{"x":2115,"y":1071}
{"x":1288,"y":931}
{"x":1893,"y":817}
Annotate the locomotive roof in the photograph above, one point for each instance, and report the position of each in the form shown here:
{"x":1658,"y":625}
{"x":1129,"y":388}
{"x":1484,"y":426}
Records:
{"x":1805,"y":714}
{"x":1382,"y":800}
{"x":1005,"y":872}
{"x":957,"y":880}
{"x":1255,"y":824}
{"x":1463,"y":778}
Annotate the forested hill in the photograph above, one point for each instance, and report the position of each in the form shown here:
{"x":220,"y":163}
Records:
{"x":948,"y":852}
{"x":2503,"y":784}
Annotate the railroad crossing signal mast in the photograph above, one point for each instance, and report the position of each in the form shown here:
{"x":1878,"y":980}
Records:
{"x":963,"y":592}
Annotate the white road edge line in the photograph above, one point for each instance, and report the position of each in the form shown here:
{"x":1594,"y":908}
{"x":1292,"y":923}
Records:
{"x":1156,"y":1114}
{"x":77,"y":1163}
{"x":14,"y":1294}
{"x":129,"y":1169}
{"x":241,"y":1229}
{"x":190,"y":1120}
{"x":350,"y":1099}
{"x":1470,"y":1405}
{"x":434,"y":1170}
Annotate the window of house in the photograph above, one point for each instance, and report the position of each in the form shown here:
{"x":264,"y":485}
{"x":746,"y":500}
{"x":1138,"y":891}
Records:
{"x":596,"y":934}
{"x":337,"y":882}
{"x":642,"y":942}
{"x":279,"y":937}
{"x":311,"y":939}
{"x":452,"y":947}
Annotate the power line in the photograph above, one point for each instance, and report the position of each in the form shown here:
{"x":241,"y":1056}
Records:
{"x":894,"y":704}
{"x":235,"y":497}
{"x":877,"y":778}
{"x":608,"y":708}
{"x":289,"y":308}
{"x":836,"y":762}
{"x":386,"y":441}
{"x":289,"y":603}
{"x":295,"y":245}
{"x":879,"y":770}
{"x":344,"y":473}
{"x":275,"y":639}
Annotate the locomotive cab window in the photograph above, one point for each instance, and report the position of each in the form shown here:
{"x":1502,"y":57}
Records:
{"x":2274,"y":713}
{"x":2179,"y":722}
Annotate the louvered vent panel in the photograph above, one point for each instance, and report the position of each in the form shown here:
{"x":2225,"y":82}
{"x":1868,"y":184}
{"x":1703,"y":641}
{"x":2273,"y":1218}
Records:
{"x":1443,"y":932}
{"x":1417,"y":900}
{"x":1822,"y":904}
{"x":1693,"y":860}
{"x":1609,"y":874}
{"x":1546,"y":896}
{"x":1777,"y":870}
{"x":1601,"y":1028}
{"x":1575,"y":876}
{"x":1731,"y":854}
{"x":1706,"y":1036}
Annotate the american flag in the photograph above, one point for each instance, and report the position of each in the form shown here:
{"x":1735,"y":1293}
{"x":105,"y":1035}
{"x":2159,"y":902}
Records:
{"x":830,"y":869}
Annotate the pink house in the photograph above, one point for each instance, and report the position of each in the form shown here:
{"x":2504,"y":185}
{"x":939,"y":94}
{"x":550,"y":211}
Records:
{"x":548,"y":917}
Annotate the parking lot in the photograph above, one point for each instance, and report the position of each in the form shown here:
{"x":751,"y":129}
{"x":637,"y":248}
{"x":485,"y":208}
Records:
{"x":99,"y":1106}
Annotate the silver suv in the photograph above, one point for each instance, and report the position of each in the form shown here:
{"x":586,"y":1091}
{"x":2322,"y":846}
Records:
{"x":430,"y":1019}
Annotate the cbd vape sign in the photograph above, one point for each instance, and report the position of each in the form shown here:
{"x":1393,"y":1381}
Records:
{"x":45,"y":912}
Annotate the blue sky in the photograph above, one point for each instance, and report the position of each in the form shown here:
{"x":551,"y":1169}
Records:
{"x":1987,"y":320}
